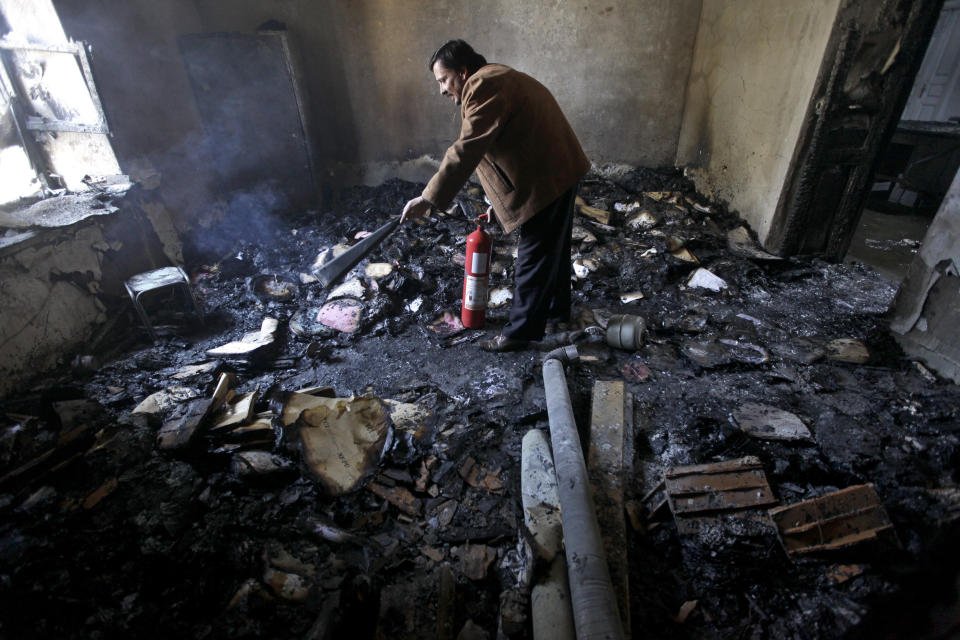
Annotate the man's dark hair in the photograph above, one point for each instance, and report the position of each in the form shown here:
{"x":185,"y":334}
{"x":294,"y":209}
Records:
{"x":456,"y":54}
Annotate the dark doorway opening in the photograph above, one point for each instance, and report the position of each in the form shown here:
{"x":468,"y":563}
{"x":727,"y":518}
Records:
{"x":916,"y":167}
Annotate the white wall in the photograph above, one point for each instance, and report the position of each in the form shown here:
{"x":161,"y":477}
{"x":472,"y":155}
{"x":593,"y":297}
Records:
{"x":754,"y":69}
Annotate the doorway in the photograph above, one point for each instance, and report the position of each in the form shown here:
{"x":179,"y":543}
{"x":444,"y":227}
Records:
{"x":871,"y":59}
{"x":917,"y":165}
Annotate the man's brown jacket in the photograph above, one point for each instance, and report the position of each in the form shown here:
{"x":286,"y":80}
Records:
{"x":517,"y":139}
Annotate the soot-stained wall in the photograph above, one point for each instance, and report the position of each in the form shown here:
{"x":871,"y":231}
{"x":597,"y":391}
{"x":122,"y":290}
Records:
{"x":754,"y":69}
{"x":617,"y":67}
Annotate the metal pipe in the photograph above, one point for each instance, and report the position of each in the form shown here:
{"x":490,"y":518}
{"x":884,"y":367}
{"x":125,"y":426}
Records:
{"x":332,"y":271}
{"x":594,"y":602}
{"x":551,"y":614}
{"x":566,"y":353}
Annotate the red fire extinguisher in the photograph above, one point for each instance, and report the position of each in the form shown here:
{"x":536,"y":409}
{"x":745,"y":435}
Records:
{"x":477,"y":277}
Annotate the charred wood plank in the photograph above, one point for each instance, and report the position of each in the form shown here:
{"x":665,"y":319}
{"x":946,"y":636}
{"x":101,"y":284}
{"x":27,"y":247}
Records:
{"x":67,"y":447}
{"x":181,"y":432}
{"x":608,"y":425}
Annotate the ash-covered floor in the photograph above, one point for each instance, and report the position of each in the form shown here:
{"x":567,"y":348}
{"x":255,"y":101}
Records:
{"x":104,"y":534}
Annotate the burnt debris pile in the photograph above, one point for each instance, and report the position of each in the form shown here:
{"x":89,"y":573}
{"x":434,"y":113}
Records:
{"x":324,"y":462}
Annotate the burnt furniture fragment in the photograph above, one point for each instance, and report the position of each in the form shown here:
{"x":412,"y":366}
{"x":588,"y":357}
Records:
{"x":154,"y":280}
{"x":695,"y":491}
{"x":833,"y":521}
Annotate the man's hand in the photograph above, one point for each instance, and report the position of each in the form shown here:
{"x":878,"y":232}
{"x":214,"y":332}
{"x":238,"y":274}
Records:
{"x":415,"y":209}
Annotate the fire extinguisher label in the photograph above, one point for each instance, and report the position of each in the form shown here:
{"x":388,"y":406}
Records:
{"x":479,"y":264}
{"x":475,"y":294}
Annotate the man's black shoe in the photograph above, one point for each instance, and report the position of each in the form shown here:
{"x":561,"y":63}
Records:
{"x":502,"y":343}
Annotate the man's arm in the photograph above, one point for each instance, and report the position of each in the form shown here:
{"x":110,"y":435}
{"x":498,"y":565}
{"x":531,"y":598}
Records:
{"x":485,"y":109}
{"x":415,"y":209}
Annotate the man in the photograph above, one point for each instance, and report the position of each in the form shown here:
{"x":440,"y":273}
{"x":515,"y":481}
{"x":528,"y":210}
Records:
{"x":529,"y":161}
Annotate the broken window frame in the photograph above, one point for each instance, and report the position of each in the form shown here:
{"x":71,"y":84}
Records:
{"x":80,"y":51}
{"x":9,"y":95}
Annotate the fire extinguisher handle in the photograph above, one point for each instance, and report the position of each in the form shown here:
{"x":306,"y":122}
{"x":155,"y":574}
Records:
{"x":486,"y":215}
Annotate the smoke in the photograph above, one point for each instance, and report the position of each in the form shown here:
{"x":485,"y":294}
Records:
{"x":252,"y":216}
{"x":210,"y":119}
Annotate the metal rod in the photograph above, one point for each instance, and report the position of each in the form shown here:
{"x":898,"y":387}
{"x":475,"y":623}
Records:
{"x":332,"y":271}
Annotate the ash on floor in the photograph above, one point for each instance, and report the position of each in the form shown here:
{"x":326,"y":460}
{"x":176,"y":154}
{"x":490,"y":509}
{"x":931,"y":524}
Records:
{"x":233,"y":528}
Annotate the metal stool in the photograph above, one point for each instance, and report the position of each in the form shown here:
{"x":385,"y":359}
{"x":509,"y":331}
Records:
{"x":158,"y":279}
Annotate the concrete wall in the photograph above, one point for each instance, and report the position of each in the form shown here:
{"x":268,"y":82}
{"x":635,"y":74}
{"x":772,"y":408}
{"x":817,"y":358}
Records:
{"x":49,"y":302}
{"x":754,"y":69}
{"x":62,"y":283}
{"x":617,"y":67}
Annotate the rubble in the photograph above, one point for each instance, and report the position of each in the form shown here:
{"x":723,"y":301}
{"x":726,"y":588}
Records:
{"x":258,"y":464}
{"x":848,"y":350}
{"x":500,"y":297}
{"x":343,"y":440}
{"x":164,"y":400}
{"x":179,"y":433}
{"x":600,"y":215}
{"x":704,"y":279}
{"x":235,"y":412}
{"x":474,"y":559}
{"x":741,"y":244}
{"x":685,"y":255}
{"x":732,"y":485}
{"x":352,"y":288}
{"x":447,"y":325}
{"x":770,"y":423}
{"x":253,"y":345}
{"x":118,"y":523}
{"x":398,"y":497}
{"x":833,"y":521}
{"x":378,"y":269}
{"x":273,"y":287}
{"x":642,"y":221}
{"x":342,"y":314}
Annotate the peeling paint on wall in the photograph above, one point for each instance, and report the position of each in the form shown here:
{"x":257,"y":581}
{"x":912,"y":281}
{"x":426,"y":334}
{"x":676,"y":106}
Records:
{"x":57,"y":285}
{"x":49,"y":302}
{"x":925,"y":314}
{"x":163,"y":223}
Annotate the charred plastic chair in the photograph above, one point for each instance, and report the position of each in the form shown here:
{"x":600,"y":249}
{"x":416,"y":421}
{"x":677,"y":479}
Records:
{"x":157,"y":279}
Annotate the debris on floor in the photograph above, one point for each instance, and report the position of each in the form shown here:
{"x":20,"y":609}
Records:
{"x":343,"y":440}
{"x":344,"y":461}
{"x":693,"y":491}
{"x":836,"y":520}
{"x":770,"y":423}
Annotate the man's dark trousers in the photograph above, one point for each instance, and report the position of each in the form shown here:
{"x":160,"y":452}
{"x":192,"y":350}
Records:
{"x":542,"y":273}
